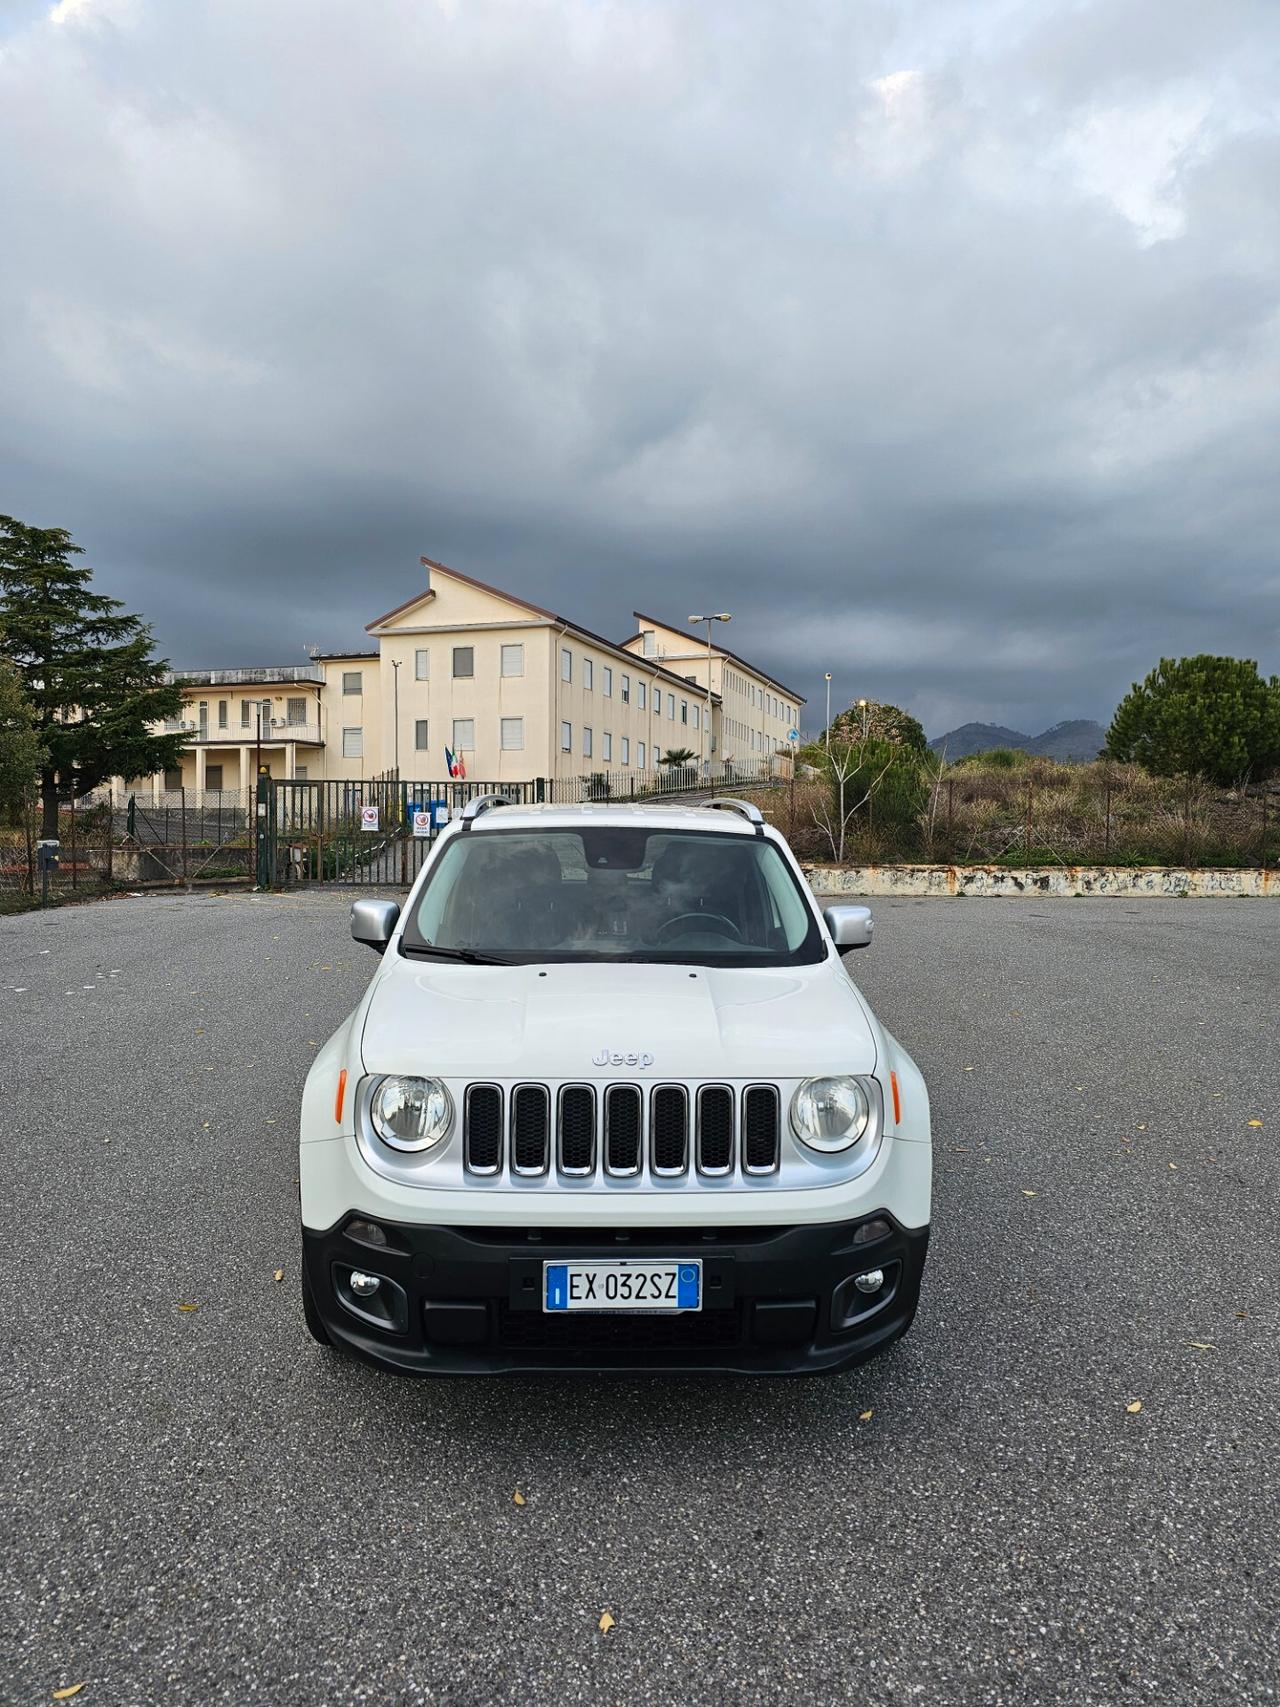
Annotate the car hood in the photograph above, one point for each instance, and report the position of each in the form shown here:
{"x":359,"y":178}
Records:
{"x":584,"y":1022}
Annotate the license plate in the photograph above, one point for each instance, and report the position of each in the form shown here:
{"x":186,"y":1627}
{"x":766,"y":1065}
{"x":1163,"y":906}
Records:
{"x":642,"y":1288}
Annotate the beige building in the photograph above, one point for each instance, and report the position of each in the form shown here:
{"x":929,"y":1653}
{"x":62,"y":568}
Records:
{"x":515,"y":691}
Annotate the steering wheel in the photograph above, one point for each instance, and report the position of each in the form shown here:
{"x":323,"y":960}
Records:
{"x":700,"y":919}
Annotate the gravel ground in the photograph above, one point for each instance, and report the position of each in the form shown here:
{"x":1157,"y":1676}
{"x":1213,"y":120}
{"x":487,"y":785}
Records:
{"x":202,"y":1505}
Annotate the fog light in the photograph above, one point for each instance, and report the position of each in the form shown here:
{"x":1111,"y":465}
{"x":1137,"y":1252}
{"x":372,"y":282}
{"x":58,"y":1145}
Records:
{"x":871,"y":1230}
{"x":365,"y":1285}
{"x":368,"y":1232}
{"x":871,"y":1281}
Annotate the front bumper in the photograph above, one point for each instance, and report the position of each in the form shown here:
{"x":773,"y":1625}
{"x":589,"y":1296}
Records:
{"x":467,"y":1300}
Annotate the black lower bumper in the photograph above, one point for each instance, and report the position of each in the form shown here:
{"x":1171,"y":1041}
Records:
{"x":468,"y":1300}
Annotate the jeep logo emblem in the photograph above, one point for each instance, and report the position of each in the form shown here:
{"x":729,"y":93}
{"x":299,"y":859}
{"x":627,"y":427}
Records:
{"x":621,"y":1058}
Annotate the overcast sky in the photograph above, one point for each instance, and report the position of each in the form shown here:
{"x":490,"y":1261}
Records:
{"x":936,"y":339}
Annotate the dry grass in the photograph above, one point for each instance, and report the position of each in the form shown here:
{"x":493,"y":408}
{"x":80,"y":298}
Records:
{"x":1045,"y":813}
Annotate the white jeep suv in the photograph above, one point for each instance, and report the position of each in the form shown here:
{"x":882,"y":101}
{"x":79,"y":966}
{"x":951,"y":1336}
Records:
{"x":611,"y":1101}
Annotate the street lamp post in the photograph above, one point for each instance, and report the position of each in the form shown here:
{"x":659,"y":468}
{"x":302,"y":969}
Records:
{"x":717,"y":616}
{"x":828,"y":736}
{"x":864,"y":706}
{"x":395,"y":713}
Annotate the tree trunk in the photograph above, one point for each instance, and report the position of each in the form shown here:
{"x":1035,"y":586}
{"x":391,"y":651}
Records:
{"x":48,"y":804}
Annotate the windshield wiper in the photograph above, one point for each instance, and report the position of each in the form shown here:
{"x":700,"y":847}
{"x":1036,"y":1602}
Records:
{"x":468,"y":956}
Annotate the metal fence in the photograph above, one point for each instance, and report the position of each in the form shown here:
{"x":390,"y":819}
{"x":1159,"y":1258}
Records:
{"x":361,"y":833}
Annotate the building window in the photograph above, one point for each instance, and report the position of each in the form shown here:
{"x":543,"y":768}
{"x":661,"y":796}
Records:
{"x":300,"y":772}
{"x":513,"y":734}
{"x":213,"y":778}
{"x":296,"y":711}
{"x":695,"y":717}
{"x":464,"y":733}
{"x":246,"y":713}
{"x":606,"y":747}
{"x":640,"y":695}
{"x":586,"y":743}
{"x":173,"y":777}
{"x":222,"y":714}
{"x":422,"y":664}
{"x":587,"y":674}
{"x":684,"y":711}
{"x":640,"y":755}
{"x":464,"y":660}
{"x":671,"y":706}
{"x":353,"y":681}
{"x":513,"y":660}
{"x":420,"y":734}
{"x":626,"y":689}
{"x":566,"y":737}
{"x":626,"y":751}
{"x":650,"y":646}
{"x":657,"y":701}
{"x":353,"y":743}
{"x":203,"y":714}
{"x":566,"y":664}
{"x":606,"y":686}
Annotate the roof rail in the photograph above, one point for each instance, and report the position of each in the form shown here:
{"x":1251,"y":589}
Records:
{"x":743,"y":808}
{"x":482,"y":802}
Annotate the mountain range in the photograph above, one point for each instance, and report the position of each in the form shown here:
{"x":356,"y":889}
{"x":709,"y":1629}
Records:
{"x":1074,"y":742}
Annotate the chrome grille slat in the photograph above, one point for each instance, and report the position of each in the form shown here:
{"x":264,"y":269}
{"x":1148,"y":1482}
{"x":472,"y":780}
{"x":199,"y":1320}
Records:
{"x":715,"y":1130}
{"x":761,"y":1129}
{"x":623,"y":1130}
{"x":482,"y":1117}
{"x":530,"y":1129}
{"x":669,"y":1131}
{"x":576,"y":1131}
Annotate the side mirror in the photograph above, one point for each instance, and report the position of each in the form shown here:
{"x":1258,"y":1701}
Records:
{"x":372,"y":922}
{"x":850,"y":927}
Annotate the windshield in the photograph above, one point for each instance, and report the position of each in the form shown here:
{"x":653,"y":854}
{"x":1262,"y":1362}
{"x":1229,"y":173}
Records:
{"x":602,"y":893}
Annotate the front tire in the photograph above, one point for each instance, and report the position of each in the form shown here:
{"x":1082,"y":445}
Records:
{"x":315,"y":1326}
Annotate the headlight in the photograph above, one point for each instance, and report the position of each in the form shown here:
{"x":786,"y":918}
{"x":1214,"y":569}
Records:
{"x":411,"y":1114}
{"x":830,"y":1114}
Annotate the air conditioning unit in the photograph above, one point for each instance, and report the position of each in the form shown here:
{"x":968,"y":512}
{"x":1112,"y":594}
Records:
{"x":188,"y":723}
{"x":277,"y":722}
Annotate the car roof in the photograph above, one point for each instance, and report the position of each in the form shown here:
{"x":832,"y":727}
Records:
{"x":636,"y":816}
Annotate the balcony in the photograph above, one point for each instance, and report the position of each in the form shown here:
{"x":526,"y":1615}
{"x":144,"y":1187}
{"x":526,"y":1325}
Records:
{"x":274,"y":734}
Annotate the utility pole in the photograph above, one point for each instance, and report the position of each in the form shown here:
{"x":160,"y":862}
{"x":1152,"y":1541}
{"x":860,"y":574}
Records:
{"x":864,"y":706}
{"x":718,"y":616}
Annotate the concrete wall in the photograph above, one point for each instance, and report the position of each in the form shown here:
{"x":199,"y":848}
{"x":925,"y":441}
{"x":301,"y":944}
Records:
{"x":1070,"y":880}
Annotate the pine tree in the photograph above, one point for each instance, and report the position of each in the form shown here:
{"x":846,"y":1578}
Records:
{"x":21,"y":754}
{"x":86,"y":665}
{"x":1204,"y":716}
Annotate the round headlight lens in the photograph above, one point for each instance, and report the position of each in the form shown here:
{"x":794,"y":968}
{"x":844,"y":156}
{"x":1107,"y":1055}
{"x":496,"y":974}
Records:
{"x":830,"y":1114}
{"x":411,"y":1114}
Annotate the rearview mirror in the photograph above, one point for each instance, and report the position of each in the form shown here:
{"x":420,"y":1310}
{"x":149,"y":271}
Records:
{"x":850,"y":927}
{"x":372,"y":922}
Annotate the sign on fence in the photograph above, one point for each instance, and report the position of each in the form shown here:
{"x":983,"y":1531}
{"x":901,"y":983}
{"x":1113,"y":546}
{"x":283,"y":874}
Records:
{"x":368,"y":817}
{"x":422,"y":822}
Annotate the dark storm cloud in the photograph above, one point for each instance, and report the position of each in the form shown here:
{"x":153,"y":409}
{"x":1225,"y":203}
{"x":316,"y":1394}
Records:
{"x":938,"y":342}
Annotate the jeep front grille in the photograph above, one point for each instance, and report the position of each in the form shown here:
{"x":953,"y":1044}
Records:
{"x":670,"y":1134}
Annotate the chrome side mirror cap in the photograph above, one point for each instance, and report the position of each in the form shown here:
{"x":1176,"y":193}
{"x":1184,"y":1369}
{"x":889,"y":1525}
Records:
{"x":850,"y":927}
{"x":372,"y":922}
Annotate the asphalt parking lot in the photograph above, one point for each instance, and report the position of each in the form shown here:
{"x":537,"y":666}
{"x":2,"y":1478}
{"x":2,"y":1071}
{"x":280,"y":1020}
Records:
{"x":201,"y":1505}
